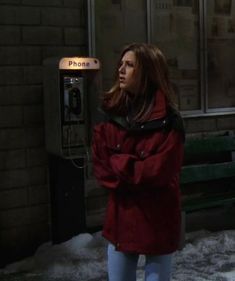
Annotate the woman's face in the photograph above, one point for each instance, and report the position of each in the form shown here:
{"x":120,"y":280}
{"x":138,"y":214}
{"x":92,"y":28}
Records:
{"x":126,"y":70}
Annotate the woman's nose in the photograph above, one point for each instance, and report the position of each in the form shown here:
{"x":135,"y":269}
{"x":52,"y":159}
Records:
{"x":121,"y":69}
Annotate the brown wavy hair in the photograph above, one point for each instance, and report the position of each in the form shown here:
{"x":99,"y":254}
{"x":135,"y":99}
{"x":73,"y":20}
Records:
{"x":150,"y":74}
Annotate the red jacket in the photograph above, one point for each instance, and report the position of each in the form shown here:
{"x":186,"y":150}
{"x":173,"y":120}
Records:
{"x":141,"y":166}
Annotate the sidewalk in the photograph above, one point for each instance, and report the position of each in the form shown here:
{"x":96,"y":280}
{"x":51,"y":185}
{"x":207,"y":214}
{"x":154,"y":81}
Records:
{"x":31,"y":277}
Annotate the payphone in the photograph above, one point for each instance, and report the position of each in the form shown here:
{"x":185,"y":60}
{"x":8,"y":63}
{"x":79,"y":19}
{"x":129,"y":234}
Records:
{"x":71,"y":90}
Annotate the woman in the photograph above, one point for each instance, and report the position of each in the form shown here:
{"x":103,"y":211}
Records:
{"x":137,"y":155}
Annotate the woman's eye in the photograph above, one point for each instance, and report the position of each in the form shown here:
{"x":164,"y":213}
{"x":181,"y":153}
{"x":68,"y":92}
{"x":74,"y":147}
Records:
{"x":130,"y":64}
{"x":126,"y":64}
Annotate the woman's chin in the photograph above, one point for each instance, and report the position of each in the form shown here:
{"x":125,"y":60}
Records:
{"x":122,"y":86}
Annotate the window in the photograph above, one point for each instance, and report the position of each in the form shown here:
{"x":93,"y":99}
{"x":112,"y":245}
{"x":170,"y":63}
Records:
{"x":197,"y":37}
{"x":220,"y":42}
{"x":116,"y":24}
{"x":175,"y":29}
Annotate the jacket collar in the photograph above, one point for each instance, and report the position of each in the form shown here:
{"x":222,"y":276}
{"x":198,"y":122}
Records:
{"x":160,"y":108}
{"x":157,"y":120}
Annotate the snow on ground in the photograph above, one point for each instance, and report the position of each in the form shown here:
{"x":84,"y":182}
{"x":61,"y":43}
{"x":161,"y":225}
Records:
{"x":206,"y":256}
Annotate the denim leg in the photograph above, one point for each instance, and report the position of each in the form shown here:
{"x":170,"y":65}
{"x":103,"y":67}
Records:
{"x":121,"y":266}
{"x":158,"y":268}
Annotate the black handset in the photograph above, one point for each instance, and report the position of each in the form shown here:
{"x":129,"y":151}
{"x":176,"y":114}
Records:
{"x":75,"y":101}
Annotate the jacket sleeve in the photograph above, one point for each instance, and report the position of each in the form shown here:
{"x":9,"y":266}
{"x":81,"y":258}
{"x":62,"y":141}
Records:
{"x":155,"y":170}
{"x":101,"y":161}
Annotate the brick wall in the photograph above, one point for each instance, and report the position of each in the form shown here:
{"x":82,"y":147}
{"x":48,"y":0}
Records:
{"x":30,"y":31}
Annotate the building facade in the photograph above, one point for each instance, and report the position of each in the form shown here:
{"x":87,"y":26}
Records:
{"x":34,"y":30}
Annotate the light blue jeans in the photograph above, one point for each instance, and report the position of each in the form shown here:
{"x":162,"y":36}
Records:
{"x":122,"y":266}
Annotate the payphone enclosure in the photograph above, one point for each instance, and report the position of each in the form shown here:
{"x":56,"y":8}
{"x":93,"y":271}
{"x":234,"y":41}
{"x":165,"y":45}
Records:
{"x":72,"y":88}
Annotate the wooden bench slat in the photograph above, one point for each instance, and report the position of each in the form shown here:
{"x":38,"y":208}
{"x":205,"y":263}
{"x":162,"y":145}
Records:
{"x":207,"y":202}
{"x":206,"y":172}
{"x":207,"y":145}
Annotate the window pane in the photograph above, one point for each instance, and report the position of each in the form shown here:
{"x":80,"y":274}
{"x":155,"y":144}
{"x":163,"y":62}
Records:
{"x":118,"y":22}
{"x":175,"y":29}
{"x":221,"y":53}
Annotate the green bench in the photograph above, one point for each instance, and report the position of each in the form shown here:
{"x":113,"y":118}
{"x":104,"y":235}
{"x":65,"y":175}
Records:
{"x":208,"y":174}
